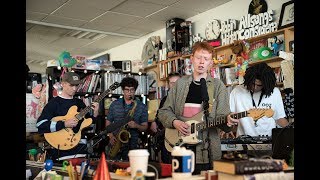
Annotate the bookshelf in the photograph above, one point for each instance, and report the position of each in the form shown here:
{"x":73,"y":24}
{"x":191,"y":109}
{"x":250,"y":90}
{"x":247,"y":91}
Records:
{"x":96,"y":82}
{"x":274,"y":61}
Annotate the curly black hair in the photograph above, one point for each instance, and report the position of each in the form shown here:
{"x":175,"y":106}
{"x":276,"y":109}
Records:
{"x":129,"y":82}
{"x":264,"y":73}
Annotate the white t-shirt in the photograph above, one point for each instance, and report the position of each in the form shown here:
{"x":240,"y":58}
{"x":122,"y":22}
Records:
{"x":241,"y":100}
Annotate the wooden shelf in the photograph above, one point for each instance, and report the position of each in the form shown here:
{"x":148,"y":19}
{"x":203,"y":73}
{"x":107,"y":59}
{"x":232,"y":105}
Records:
{"x":256,"y":38}
{"x":224,"y":65}
{"x":150,"y":67}
{"x":174,"y":58}
{"x":269,"y":60}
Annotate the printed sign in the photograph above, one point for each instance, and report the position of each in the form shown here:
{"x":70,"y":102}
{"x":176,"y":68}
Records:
{"x":31,"y":112}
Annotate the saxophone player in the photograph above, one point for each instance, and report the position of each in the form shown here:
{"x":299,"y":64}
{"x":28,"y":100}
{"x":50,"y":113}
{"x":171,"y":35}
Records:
{"x":132,"y":110}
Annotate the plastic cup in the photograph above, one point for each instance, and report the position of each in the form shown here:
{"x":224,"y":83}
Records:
{"x":138,"y":159}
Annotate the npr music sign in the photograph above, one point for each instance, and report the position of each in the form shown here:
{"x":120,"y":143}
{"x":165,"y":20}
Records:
{"x":249,"y":26}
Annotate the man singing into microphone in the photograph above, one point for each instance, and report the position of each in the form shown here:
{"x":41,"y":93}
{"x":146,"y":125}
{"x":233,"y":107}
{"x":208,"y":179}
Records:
{"x":185,"y":99}
{"x":129,"y":109}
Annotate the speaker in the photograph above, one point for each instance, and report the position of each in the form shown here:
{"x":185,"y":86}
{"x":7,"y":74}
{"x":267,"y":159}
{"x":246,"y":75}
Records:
{"x":175,"y":35}
{"x":124,"y":66}
{"x":282,"y":143}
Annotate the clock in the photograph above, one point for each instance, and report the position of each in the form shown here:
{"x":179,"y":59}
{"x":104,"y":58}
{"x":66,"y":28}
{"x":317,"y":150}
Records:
{"x":213,"y":30}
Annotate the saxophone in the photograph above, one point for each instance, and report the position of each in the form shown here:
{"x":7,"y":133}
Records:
{"x":123,"y":136}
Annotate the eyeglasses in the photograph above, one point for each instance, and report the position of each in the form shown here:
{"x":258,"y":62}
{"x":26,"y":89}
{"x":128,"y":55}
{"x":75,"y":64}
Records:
{"x":129,"y":90}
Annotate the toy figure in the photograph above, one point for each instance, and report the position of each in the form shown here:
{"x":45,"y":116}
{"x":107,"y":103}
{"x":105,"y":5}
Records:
{"x":275,"y":45}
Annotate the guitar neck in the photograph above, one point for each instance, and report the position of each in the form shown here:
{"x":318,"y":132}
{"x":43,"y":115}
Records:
{"x":83,"y":112}
{"x":219,"y":120}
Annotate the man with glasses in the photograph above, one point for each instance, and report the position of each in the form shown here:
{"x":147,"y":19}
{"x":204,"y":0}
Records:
{"x":59,"y":106}
{"x":258,"y":91}
{"x":129,"y":109}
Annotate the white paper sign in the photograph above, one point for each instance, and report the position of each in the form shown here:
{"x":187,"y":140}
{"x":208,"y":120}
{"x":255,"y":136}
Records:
{"x":31,"y":112}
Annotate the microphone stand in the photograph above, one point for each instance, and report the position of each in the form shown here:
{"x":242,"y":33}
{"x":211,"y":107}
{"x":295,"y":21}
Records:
{"x":205,"y":104}
{"x":102,"y":135}
{"x":206,"y":114}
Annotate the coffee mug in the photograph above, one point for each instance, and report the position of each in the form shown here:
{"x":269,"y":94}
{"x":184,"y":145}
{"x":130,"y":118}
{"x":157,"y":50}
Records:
{"x":183,"y":162}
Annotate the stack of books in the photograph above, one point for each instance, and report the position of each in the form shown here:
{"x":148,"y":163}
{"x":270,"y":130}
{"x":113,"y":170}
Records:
{"x":253,"y":168}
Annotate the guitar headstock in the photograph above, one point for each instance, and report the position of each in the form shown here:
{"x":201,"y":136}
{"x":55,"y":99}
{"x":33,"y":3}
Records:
{"x":114,"y":86}
{"x":258,"y":113}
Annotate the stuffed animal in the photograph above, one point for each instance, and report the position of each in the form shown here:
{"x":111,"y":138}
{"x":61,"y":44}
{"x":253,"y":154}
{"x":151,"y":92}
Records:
{"x":241,"y":48}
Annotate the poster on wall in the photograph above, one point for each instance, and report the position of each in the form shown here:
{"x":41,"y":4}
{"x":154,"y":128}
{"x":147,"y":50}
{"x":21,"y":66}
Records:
{"x":31,"y":112}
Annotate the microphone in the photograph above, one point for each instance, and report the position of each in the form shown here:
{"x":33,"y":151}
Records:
{"x":204,"y":93}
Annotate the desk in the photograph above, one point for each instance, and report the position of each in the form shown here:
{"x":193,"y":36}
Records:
{"x":37,"y":167}
{"x":117,"y":177}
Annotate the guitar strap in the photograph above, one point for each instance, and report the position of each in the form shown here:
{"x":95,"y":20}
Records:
{"x":210,"y":90}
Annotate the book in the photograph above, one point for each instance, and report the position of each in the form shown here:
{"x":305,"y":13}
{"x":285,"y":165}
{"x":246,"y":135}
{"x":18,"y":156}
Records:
{"x":268,"y":175}
{"x":251,"y":166}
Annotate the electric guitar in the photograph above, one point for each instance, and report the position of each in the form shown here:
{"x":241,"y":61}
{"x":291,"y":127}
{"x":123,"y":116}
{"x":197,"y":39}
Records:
{"x":67,"y":138}
{"x":197,"y":123}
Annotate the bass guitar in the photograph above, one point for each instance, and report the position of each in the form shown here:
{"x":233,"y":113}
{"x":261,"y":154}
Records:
{"x":197,"y":124}
{"x":67,"y":138}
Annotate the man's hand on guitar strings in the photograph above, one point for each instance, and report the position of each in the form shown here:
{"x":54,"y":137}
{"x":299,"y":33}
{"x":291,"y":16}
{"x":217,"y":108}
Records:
{"x":231,"y":121}
{"x":70,"y":123}
{"x":182,"y":127}
{"x":95,"y":107}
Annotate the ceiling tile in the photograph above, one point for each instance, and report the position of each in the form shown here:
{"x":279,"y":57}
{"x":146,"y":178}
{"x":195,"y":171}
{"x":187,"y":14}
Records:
{"x":200,"y":7}
{"x":45,"y":34}
{"x":44,"y":6}
{"x":104,"y":4}
{"x":133,"y":31}
{"x":64,"y":21}
{"x":162,"y":2}
{"x":109,"y":42}
{"x":86,"y":51}
{"x":29,"y":26}
{"x":101,"y":27}
{"x":80,"y":9}
{"x":115,"y":19}
{"x":137,"y":8}
{"x":148,"y":24}
{"x":170,"y":13}
{"x":70,"y":42}
{"x":35,"y":16}
{"x":35,"y":51}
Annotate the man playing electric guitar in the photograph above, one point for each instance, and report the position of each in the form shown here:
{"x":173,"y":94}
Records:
{"x":60,"y":106}
{"x":184,"y":100}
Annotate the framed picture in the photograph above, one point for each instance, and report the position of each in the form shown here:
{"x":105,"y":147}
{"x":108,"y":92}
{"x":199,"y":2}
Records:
{"x":286,"y":15}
